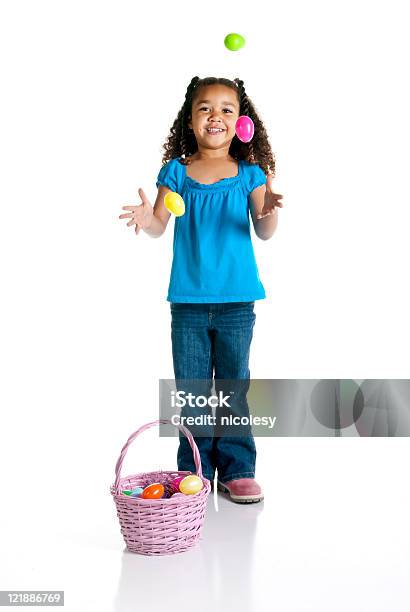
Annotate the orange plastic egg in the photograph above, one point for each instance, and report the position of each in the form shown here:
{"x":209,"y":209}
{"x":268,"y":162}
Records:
{"x":153,"y":491}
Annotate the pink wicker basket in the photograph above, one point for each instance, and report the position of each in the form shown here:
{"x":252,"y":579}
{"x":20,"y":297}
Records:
{"x":160,"y":526}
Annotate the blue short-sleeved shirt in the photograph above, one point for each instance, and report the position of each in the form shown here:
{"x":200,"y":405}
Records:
{"x":213,"y":257}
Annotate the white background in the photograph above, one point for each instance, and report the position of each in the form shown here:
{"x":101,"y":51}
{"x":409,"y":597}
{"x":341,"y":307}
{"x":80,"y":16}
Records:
{"x":89,"y":92}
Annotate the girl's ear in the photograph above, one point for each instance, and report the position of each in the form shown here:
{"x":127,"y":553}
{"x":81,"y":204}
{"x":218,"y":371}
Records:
{"x":189,"y":124}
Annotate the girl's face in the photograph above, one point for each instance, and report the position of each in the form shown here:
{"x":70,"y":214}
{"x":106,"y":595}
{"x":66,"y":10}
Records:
{"x":215,"y":110}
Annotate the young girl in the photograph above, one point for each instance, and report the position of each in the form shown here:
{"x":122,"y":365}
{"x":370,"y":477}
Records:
{"x":214,"y":277}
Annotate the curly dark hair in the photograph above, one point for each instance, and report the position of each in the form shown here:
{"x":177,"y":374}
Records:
{"x":181,"y":141}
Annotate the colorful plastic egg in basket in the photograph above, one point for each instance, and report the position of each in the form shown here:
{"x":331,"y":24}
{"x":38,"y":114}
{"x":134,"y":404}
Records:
{"x":159,"y":526}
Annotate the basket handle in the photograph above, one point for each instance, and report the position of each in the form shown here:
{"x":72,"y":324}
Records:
{"x":184,"y":430}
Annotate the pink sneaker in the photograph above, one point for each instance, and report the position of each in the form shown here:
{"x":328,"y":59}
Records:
{"x":242,"y":490}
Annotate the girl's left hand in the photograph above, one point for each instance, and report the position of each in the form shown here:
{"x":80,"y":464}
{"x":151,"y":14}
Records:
{"x":271,"y":199}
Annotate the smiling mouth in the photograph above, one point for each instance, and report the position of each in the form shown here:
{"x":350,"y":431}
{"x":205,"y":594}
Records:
{"x":214,"y":131}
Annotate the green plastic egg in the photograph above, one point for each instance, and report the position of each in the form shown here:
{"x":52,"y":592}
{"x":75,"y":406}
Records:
{"x":234,"y":42}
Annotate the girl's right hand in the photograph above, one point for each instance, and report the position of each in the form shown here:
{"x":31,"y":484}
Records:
{"x":141,"y":215}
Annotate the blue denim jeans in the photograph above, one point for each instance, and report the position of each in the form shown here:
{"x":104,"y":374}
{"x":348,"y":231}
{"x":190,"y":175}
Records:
{"x":207,"y":339}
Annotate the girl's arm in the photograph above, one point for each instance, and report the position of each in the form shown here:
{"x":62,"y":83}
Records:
{"x":152,"y":220}
{"x":160,"y":215}
{"x":261,"y":204}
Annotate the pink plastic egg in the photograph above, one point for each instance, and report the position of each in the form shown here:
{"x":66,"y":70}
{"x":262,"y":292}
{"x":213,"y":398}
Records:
{"x":244,"y":128}
{"x":176,"y":481}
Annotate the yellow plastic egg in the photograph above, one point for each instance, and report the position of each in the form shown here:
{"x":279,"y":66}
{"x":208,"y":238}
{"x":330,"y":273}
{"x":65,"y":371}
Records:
{"x":190,"y":485}
{"x":174,"y":203}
